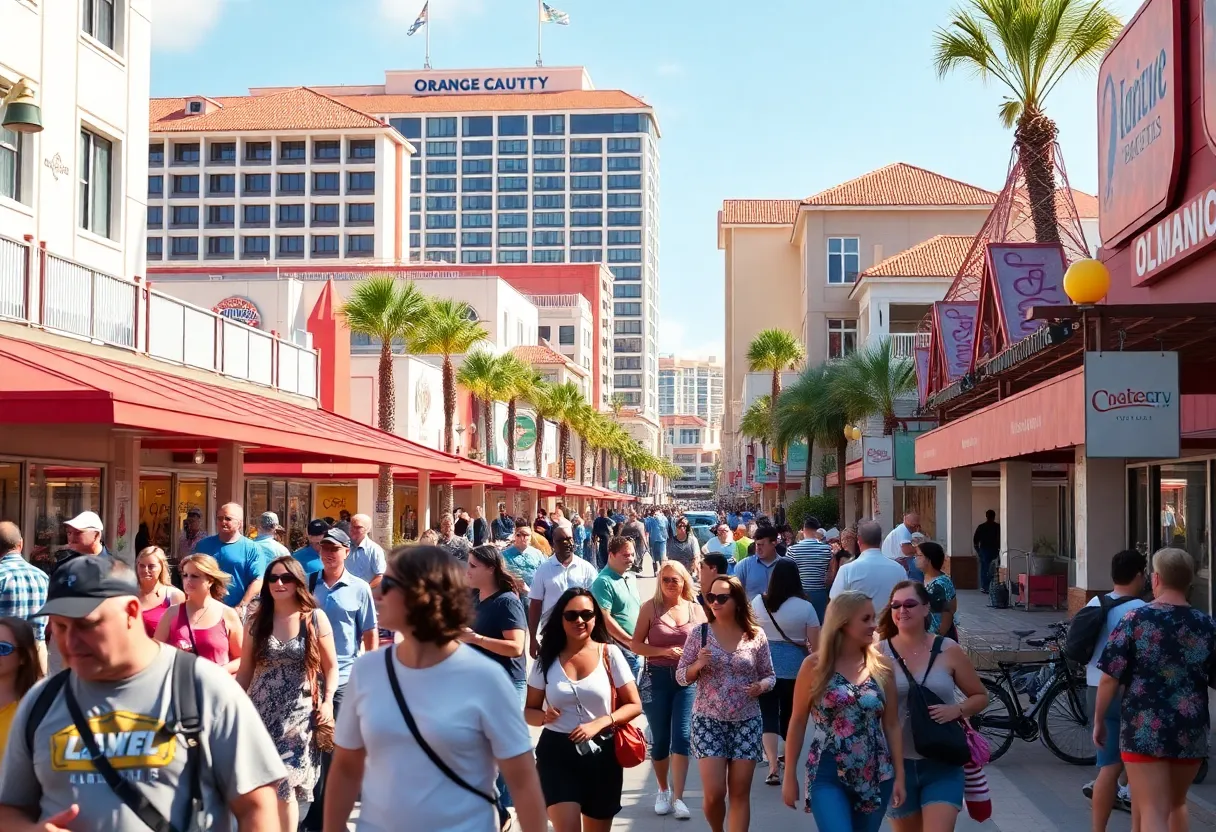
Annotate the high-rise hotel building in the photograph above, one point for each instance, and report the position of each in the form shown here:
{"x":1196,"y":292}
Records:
{"x":470,"y":166}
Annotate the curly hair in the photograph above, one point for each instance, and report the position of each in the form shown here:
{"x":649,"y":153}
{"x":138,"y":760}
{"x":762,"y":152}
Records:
{"x":438,"y":604}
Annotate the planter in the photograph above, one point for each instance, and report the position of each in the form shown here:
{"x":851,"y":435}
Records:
{"x":1042,"y":564}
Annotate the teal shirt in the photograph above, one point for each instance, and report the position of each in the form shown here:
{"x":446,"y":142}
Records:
{"x":618,"y":595}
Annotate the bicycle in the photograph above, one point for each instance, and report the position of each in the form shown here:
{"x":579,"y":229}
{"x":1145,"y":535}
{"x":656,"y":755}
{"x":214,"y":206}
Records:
{"x":1059,"y":716}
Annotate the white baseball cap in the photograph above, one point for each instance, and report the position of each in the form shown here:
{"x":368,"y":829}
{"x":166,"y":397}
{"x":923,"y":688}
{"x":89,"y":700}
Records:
{"x":86,"y":521}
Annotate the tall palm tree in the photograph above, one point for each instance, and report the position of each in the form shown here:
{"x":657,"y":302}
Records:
{"x":482,"y":374}
{"x":811,"y":407}
{"x":567,"y":400}
{"x":519,"y":379}
{"x":757,"y":423}
{"x":585,"y":421}
{"x":775,"y":351}
{"x":1028,"y":46}
{"x":544,"y":408}
{"x":384,"y":308}
{"x":871,"y":379}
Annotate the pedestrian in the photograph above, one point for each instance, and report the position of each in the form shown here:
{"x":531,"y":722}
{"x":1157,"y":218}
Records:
{"x":267,"y":535}
{"x":933,"y":794}
{"x":429,"y":712}
{"x":310,"y":556}
{"x":814,"y":559}
{"x":854,"y":767}
{"x":601,"y":530}
{"x":871,"y":572}
{"x":558,"y":573}
{"x":522,"y":559}
{"x":943,"y":601}
{"x":616,"y":591}
{"x":481,"y":529}
{"x":124,"y":680}
{"x":743,"y":542}
{"x":20,"y":670}
{"x":713,"y":566}
{"x":682,"y":547}
{"x":202,"y":624}
{"x":430,"y":537}
{"x":722,"y":543}
{"x":656,"y":532}
{"x":987,"y":543}
{"x":461,"y":527}
{"x":23,"y":586}
{"x":635,"y":530}
{"x":502,"y":527}
{"x":729,"y":660}
{"x":288,"y":650}
{"x":579,"y":690}
{"x":241,"y":559}
{"x":791,"y":626}
{"x":581,"y":535}
{"x":662,"y":631}
{"x":366,"y":557}
{"x":755,"y":572}
{"x":455,"y":545}
{"x":192,"y":531}
{"x":1163,"y":656}
{"x":156,"y":591}
{"x":84,"y":538}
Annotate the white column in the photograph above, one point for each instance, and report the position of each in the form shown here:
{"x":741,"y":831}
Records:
{"x":230,"y":475}
{"x":365,"y":496}
{"x":1016,"y":516}
{"x":884,"y":511}
{"x":1099,"y":510}
{"x":477,"y":497}
{"x":959,"y":530}
{"x":424,"y":501}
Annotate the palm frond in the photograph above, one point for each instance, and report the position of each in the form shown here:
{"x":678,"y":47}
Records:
{"x":774,"y":350}
{"x":383,"y":307}
{"x":447,"y":328}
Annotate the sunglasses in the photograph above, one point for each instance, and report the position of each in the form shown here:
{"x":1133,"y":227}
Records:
{"x":7,"y":648}
{"x":711,"y":598}
{"x":281,"y":578}
{"x":388,"y":584}
{"x":673,"y":579}
{"x":907,"y":605}
{"x":576,"y":615}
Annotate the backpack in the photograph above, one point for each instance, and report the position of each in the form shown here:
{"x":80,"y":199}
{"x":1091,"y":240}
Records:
{"x":1086,"y":627}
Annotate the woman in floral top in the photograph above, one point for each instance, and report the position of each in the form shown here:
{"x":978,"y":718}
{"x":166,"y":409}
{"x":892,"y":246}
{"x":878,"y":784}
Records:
{"x":730,"y":662}
{"x":855,"y":764}
{"x":1162,"y":655}
{"x":943,"y":603}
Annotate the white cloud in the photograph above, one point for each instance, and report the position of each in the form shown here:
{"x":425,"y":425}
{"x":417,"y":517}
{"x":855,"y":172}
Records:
{"x":181,"y":25}
{"x":671,"y":70}
{"x":405,"y":12}
{"x":675,"y":339}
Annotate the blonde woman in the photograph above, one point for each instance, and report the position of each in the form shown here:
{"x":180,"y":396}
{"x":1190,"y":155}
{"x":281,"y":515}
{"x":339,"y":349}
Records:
{"x":430,"y":537}
{"x":847,"y":687}
{"x":661,"y":631}
{"x":202,"y":624}
{"x":156,"y":592}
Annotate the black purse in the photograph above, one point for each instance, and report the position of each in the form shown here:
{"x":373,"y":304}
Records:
{"x":941,"y":742}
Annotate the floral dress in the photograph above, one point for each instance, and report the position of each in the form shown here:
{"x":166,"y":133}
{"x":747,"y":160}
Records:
{"x":283,"y":698}
{"x":847,"y":723}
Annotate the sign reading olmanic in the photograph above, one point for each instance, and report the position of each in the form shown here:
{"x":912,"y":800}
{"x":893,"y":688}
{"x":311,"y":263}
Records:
{"x":1132,"y":405}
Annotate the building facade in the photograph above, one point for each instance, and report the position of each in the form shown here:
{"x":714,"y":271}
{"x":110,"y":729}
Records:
{"x":691,"y":387}
{"x":691,"y":443}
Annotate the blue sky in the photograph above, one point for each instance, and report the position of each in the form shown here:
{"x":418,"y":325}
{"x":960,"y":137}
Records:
{"x":777,"y":99}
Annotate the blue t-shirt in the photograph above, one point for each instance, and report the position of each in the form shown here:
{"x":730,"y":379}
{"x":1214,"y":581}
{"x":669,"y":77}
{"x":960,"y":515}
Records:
{"x":656,"y":528}
{"x":309,"y":558}
{"x":497,"y":614}
{"x":351,"y":612}
{"x":244,"y":559}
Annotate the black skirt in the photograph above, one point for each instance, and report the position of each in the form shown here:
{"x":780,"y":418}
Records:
{"x":593,"y":781}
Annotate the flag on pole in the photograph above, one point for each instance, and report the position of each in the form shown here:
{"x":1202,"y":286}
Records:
{"x":548,"y":14}
{"x":420,"y":22}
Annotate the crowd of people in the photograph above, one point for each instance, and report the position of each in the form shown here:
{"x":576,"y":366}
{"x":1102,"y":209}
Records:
{"x":258,"y":695}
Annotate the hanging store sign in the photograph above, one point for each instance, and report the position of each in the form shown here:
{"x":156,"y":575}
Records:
{"x":239,"y":309}
{"x":1132,"y":405}
{"x":956,"y":334}
{"x":1025,"y":275}
{"x":877,"y":457}
{"x":922,"y":373}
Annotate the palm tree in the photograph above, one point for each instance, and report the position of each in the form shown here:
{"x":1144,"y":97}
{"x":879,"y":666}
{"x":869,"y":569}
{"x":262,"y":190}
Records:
{"x":543,"y":408}
{"x":566,"y":399}
{"x":586,"y":421}
{"x":388,"y":310}
{"x":1029,"y":46}
{"x":871,"y":379}
{"x":482,"y":374}
{"x":519,"y":379}
{"x":775,"y":351}
{"x":757,"y":423}
{"x":811,"y":407}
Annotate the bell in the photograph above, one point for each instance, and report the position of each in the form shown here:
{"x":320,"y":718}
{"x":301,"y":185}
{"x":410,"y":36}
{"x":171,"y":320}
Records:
{"x":21,"y":114}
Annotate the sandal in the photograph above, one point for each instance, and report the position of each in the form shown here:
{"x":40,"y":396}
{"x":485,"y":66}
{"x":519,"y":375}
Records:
{"x":773,"y":779}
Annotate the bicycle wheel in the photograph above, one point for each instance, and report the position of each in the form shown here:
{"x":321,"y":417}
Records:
{"x":997,"y":721}
{"x":1064,"y":725}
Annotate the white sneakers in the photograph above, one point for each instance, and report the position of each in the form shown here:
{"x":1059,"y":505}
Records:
{"x":679,"y":810}
{"x":664,"y":804}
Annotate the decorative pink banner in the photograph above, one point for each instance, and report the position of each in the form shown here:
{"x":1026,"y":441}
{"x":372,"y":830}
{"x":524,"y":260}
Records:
{"x":922,"y":372}
{"x":1026,"y":275}
{"x":956,"y":329}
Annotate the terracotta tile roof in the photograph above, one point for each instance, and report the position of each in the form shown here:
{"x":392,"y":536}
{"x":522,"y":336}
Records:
{"x":940,"y":256}
{"x":758,"y":212}
{"x":544,"y":354}
{"x":1087,"y":205}
{"x":295,"y":109}
{"x":682,"y":421}
{"x":902,"y":184}
{"x":540,"y":101}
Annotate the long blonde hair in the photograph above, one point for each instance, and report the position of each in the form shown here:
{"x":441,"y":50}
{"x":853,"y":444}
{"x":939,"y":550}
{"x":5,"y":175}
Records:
{"x":210,"y":569}
{"x":676,"y":567}
{"x":840,"y":612}
{"x":162,"y":577}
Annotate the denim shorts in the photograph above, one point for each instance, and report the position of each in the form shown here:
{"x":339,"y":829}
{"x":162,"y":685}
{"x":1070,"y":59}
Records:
{"x":929,"y":782}
{"x":1108,"y":755}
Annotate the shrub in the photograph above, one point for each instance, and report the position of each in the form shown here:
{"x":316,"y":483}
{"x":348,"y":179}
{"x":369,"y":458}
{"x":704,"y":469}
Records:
{"x":821,"y":506}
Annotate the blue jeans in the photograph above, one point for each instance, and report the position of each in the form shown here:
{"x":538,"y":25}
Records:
{"x":986,"y":574}
{"x":635,"y":664}
{"x":522,"y":688}
{"x":669,"y":713}
{"x":832,"y":803}
{"x":658,"y":553}
{"x":819,"y":600}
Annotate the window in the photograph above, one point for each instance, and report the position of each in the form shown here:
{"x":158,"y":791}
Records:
{"x":441,"y":241}
{"x":365,"y":244}
{"x":411,"y":128}
{"x":257,"y":183}
{"x":484,"y":148}
{"x":512,"y":125}
{"x":475,"y":256}
{"x":254,"y":216}
{"x":633,"y":145}
{"x":156,"y":185}
{"x":543,"y":333}
{"x":96,"y":176}
{"x":587,"y":218}
{"x":549,"y":183}
{"x":477,"y":239}
{"x":326,"y":183}
{"x":477,"y":126}
{"x":415,"y":203}
{"x":440,"y":167}
{"x":290,"y":216}
{"x":325,"y":214}
{"x":324,"y":245}
{"x":556,"y":164}
{"x":624,"y":238}
{"x":223,"y":153}
{"x":549,"y":125}
{"x":514,"y":147}
{"x":516,"y":256}
{"x":625,"y":182}
{"x":361,"y":150}
{"x":512,"y":165}
{"x":441,"y":203}
{"x":440,"y":220}
{"x":99,"y":21}
{"x":548,"y":238}
{"x":626,"y":290}
{"x":476,"y":203}
{"x":624,"y":200}
{"x":155,"y":216}
{"x":415,"y":222}
{"x":610,"y":123}
{"x":565,"y":336}
{"x":156,"y":248}
{"x":291,"y":245}
{"x":255,"y":246}
{"x":156,"y":154}
{"x":441,"y":149}
{"x":627,"y":363}
{"x":220,"y":248}
{"x":627,"y":345}
{"x":548,"y":147}
{"x":415,"y":167}
{"x":548,"y":218}
{"x":360,"y":182}
{"x":842,"y":337}
{"x":586,"y":183}
{"x":587,"y":164}
{"x":185,"y":247}
{"x":512,"y":203}
{"x":587,"y":146}
{"x":627,"y":309}
{"x":627,"y":380}
{"x":477,"y":221}
{"x":586,"y":238}
{"x":360,"y":213}
{"x":436,"y":184}
{"x":548,"y":255}
{"x":625,"y":218}
{"x":586,"y":255}
{"x":513,"y":238}
{"x":325,"y":151}
{"x":221,"y":216}
{"x":477,"y":166}
{"x":416,"y":186}
{"x":548,"y":201}
{"x":221,"y":184}
{"x":512,"y":220}
{"x":586,"y":201}
{"x":624,"y":255}
{"x":844,"y":259}
{"x":688,"y":436}
{"x":185,"y":185}
{"x":626,"y":272}
{"x":441,"y":257}
{"x":440,"y":127}
{"x":627,"y":327}
{"x":293,"y":152}
{"x":513,"y":183}
{"x":477,"y":184}
{"x":624,"y":163}
{"x":257,"y":152}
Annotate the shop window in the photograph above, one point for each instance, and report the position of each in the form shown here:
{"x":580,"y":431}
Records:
{"x":191,"y":494}
{"x":1183,"y":522}
{"x":155,"y":514}
{"x":58,"y":493}
{"x":10,"y":491}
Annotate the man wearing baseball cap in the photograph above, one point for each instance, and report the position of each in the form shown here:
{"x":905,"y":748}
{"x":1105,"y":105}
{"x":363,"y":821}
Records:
{"x":268,"y":527}
{"x":310,"y":556}
{"x":84,"y":537}
{"x":120,"y":678}
{"x":192,"y":533}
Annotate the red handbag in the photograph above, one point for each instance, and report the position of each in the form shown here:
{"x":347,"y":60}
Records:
{"x":629,"y":742}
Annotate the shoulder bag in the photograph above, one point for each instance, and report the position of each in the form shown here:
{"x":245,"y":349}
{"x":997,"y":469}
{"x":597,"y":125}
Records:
{"x":941,"y":742}
{"x":322,"y":728}
{"x":628,"y":740}
{"x":773,"y":618}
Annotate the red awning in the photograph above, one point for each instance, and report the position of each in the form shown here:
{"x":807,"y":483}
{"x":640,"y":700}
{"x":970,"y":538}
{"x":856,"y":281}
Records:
{"x":852,"y":473}
{"x":49,"y":385}
{"x":575,"y":489}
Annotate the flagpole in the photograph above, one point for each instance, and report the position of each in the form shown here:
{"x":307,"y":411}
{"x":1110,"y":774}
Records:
{"x":540,"y":22}
{"x":427,"y":63}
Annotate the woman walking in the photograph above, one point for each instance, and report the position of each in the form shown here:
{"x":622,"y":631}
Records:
{"x":791,"y":627}
{"x":846,"y":690}
{"x":425,"y":700}
{"x":579,"y":690}
{"x":661,"y":632}
{"x":1162,"y":656}
{"x":288,"y":651}
{"x":943,"y":603}
{"x":20,"y":670}
{"x":729,"y":661}
{"x":156,"y":591}
{"x":934,"y":790}
{"x":683,"y":547}
{"x":202,"y":624}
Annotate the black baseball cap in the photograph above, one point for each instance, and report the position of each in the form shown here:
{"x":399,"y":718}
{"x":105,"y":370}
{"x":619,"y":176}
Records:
{"x":336,"y":535}
{"x":79,"y":585}
{"x":316,"y":527}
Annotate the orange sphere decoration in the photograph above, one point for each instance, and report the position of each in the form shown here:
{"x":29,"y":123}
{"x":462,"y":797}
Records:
{"x":1087,"y":281}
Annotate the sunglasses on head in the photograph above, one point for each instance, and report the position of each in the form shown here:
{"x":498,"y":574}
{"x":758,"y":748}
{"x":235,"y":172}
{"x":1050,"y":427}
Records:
{"x":281,"y":578}
{"x":575,"y":615}
{"x":907,"y":605}
{"x":717,"y":599}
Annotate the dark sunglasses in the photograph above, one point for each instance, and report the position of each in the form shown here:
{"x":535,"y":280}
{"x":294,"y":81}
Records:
{"x":388,"y":584}
{"x":711,"y":598}
{"x":575,"y":615}
{"x":7,"y":648}
{"x":281,"y":578}
{"x":673,"y":579}
{"x":907,"y":605}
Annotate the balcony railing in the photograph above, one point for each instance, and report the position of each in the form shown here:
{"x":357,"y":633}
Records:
{"x":61,"y":295}
{"x":555,"y":301}
{"x":903,"y":344}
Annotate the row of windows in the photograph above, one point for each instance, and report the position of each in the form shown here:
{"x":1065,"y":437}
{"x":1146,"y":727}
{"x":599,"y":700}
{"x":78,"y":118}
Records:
{"x":519,"y":202}
{"x":544,"y":219}
{"x":446,"y":254}
{"x":187,"y":216}
{"x":517,"y":125}
{"x":262,"y":152}
{"x":520,"y":147}
{"x":286,"y":245}
{"x":543,"y":164}
{"x":224,"y":184}
{"x":485,"y":184}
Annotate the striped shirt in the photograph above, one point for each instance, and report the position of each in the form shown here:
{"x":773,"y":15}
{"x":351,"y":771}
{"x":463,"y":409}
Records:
{"x":812,"y":557}
{"x":23,"y":588}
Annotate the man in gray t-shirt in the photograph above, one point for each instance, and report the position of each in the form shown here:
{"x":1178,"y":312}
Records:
{"x":122,"y":682}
